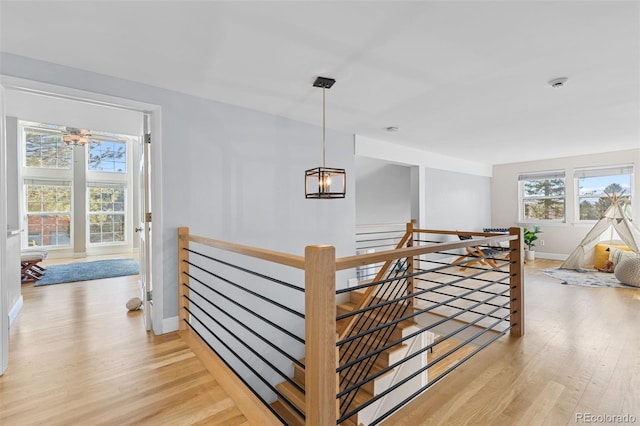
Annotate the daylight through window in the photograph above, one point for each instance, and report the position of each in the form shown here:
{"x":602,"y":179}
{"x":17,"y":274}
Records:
{"x":106,"y":213}
{"x":46,"y":149}
{"x":594,"y":185}
{"x":48,"y":213}
{"x":542,"y":196}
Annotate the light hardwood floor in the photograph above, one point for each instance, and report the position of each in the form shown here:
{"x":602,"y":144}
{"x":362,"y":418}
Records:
{"x":77,"y":357}
{"x":580,"y":354}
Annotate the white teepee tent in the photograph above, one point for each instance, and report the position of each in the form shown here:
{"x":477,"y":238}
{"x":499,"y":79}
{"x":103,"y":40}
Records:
{"x":614,"y":218}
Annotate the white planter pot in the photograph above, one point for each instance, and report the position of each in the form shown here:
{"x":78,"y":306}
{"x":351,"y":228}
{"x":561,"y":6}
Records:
{"x":529,"y":254}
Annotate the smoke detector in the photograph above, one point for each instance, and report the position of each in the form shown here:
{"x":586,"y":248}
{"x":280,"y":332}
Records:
{"x":558,"y":82}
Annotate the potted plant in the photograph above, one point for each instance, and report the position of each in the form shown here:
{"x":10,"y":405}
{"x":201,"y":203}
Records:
{"x":530,"y":235}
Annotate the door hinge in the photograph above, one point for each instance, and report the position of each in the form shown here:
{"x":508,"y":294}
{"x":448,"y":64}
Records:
{"x":147,"y":217}
{"x":147,"y":138}
{"x":149,"y":296}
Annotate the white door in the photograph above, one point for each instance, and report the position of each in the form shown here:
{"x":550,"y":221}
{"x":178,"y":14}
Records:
{"x":4,"y":309}
{"x":144,"y":225}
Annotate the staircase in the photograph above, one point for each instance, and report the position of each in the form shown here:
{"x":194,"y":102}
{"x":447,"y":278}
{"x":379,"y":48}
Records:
{"x":366,"y":368}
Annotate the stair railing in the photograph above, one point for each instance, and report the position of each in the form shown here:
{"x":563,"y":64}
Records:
{"x":408,"y":275}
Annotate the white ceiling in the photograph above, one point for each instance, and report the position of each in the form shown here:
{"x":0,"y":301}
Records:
{"x":466,"y":79}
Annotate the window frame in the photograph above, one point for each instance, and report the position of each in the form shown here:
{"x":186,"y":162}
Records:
{"x":110,"y":172}
{"x":47,"y":182}
{"x":602,"y":171}
{"x":52,"y":130}
{"x":104,"y":185}
{"x":522,"y":197}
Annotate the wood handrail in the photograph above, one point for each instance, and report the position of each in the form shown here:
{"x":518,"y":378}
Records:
{"x":349,"y":262}
{"x":269,"y":255}
{"x":463,"y":233}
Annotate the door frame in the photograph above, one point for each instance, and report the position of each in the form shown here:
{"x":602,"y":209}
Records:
{"x":154,"y":112}
{"x":4,"y":309}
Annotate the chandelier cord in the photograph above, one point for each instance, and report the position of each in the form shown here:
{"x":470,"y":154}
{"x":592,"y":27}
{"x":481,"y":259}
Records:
{"x":323,"y":128}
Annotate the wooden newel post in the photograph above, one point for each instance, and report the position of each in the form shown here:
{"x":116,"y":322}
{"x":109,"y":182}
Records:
{"x":410,"y":226}
{"x":320,"y":336}
{"x":516,"y":271}
{"x":183,"y":269}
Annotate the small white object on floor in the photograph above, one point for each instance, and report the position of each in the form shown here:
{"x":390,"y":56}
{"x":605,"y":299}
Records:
{"x":134,"y":304}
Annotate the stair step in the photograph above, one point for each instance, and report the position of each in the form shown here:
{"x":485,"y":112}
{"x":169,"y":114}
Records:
{"x":297,"y":398}
{"x":361,"y":397}
{"x":299,"y":376}
{"x":355,"y":296}
{"x":374,"y":319}
{"x":293,"y":394}
{"x":292,"y":418}
{"x":382,"y":359}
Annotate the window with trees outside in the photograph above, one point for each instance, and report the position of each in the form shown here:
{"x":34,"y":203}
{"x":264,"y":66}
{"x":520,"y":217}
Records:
{"x":51,"y":168}
{"x":106,"y":213}
{"x":48,"y":213}
{"x":595,"y":186}
{"x":44,"y":148}
{"x":542,"y":196}
{"x":107,"y":156}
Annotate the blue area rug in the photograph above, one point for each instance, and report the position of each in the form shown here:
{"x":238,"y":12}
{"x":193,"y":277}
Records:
{"x":585,"y":278}
{"x":85,"y":271}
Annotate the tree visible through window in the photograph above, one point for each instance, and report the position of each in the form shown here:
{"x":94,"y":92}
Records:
{"x":106,"y":214}
{"x":46,"y":149}
{"x":594,"y":185}
{"x":108,"y":156}
{"x":542,"y":196}
{"x":49,"y":214}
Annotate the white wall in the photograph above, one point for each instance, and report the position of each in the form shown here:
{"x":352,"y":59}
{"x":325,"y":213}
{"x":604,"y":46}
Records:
{"x":559,"y":238}
{"x":227,"y":172}
{"x":383,"y":192}
{"x":457,"y":201}
{"x":399,"y":154}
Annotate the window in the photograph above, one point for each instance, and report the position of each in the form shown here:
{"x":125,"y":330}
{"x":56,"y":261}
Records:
{"x":48,"y":213}
{"x":45,"y":149}
{"x":594,"y":185}
{"x":542,"y":196}
{"x":107,"y":156}
{"x":106,"y":213}
{"x":51,"y":168}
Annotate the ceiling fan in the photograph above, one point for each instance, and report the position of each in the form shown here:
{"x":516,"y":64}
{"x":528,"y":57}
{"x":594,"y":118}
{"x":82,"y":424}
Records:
{"x":75,"y":136}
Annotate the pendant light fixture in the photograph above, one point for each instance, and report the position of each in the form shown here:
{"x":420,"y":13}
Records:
{"x":325,"y":182}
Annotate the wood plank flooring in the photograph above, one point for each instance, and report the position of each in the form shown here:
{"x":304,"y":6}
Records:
{"x":78,"y":357}
{"x":579,"y":355}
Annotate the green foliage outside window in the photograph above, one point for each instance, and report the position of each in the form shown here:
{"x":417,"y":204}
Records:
{"x":543,"y":199}
{"x":106,"y":215}
{"x":594,"y":203}
{"x":46,"y":150}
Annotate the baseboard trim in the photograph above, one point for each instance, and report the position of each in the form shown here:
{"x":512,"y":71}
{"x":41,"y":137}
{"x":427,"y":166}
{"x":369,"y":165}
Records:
{"x":552,"y":256}
{"x":15,"y":310}
{"x":170,"y":324}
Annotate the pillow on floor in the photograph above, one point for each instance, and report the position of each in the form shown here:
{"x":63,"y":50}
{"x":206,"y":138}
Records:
{"x":602,"y":253}
{"x":616,"y":255}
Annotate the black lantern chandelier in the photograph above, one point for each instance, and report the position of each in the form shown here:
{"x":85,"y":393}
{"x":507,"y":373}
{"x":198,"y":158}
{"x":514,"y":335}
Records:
{"x":325,"y":182}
